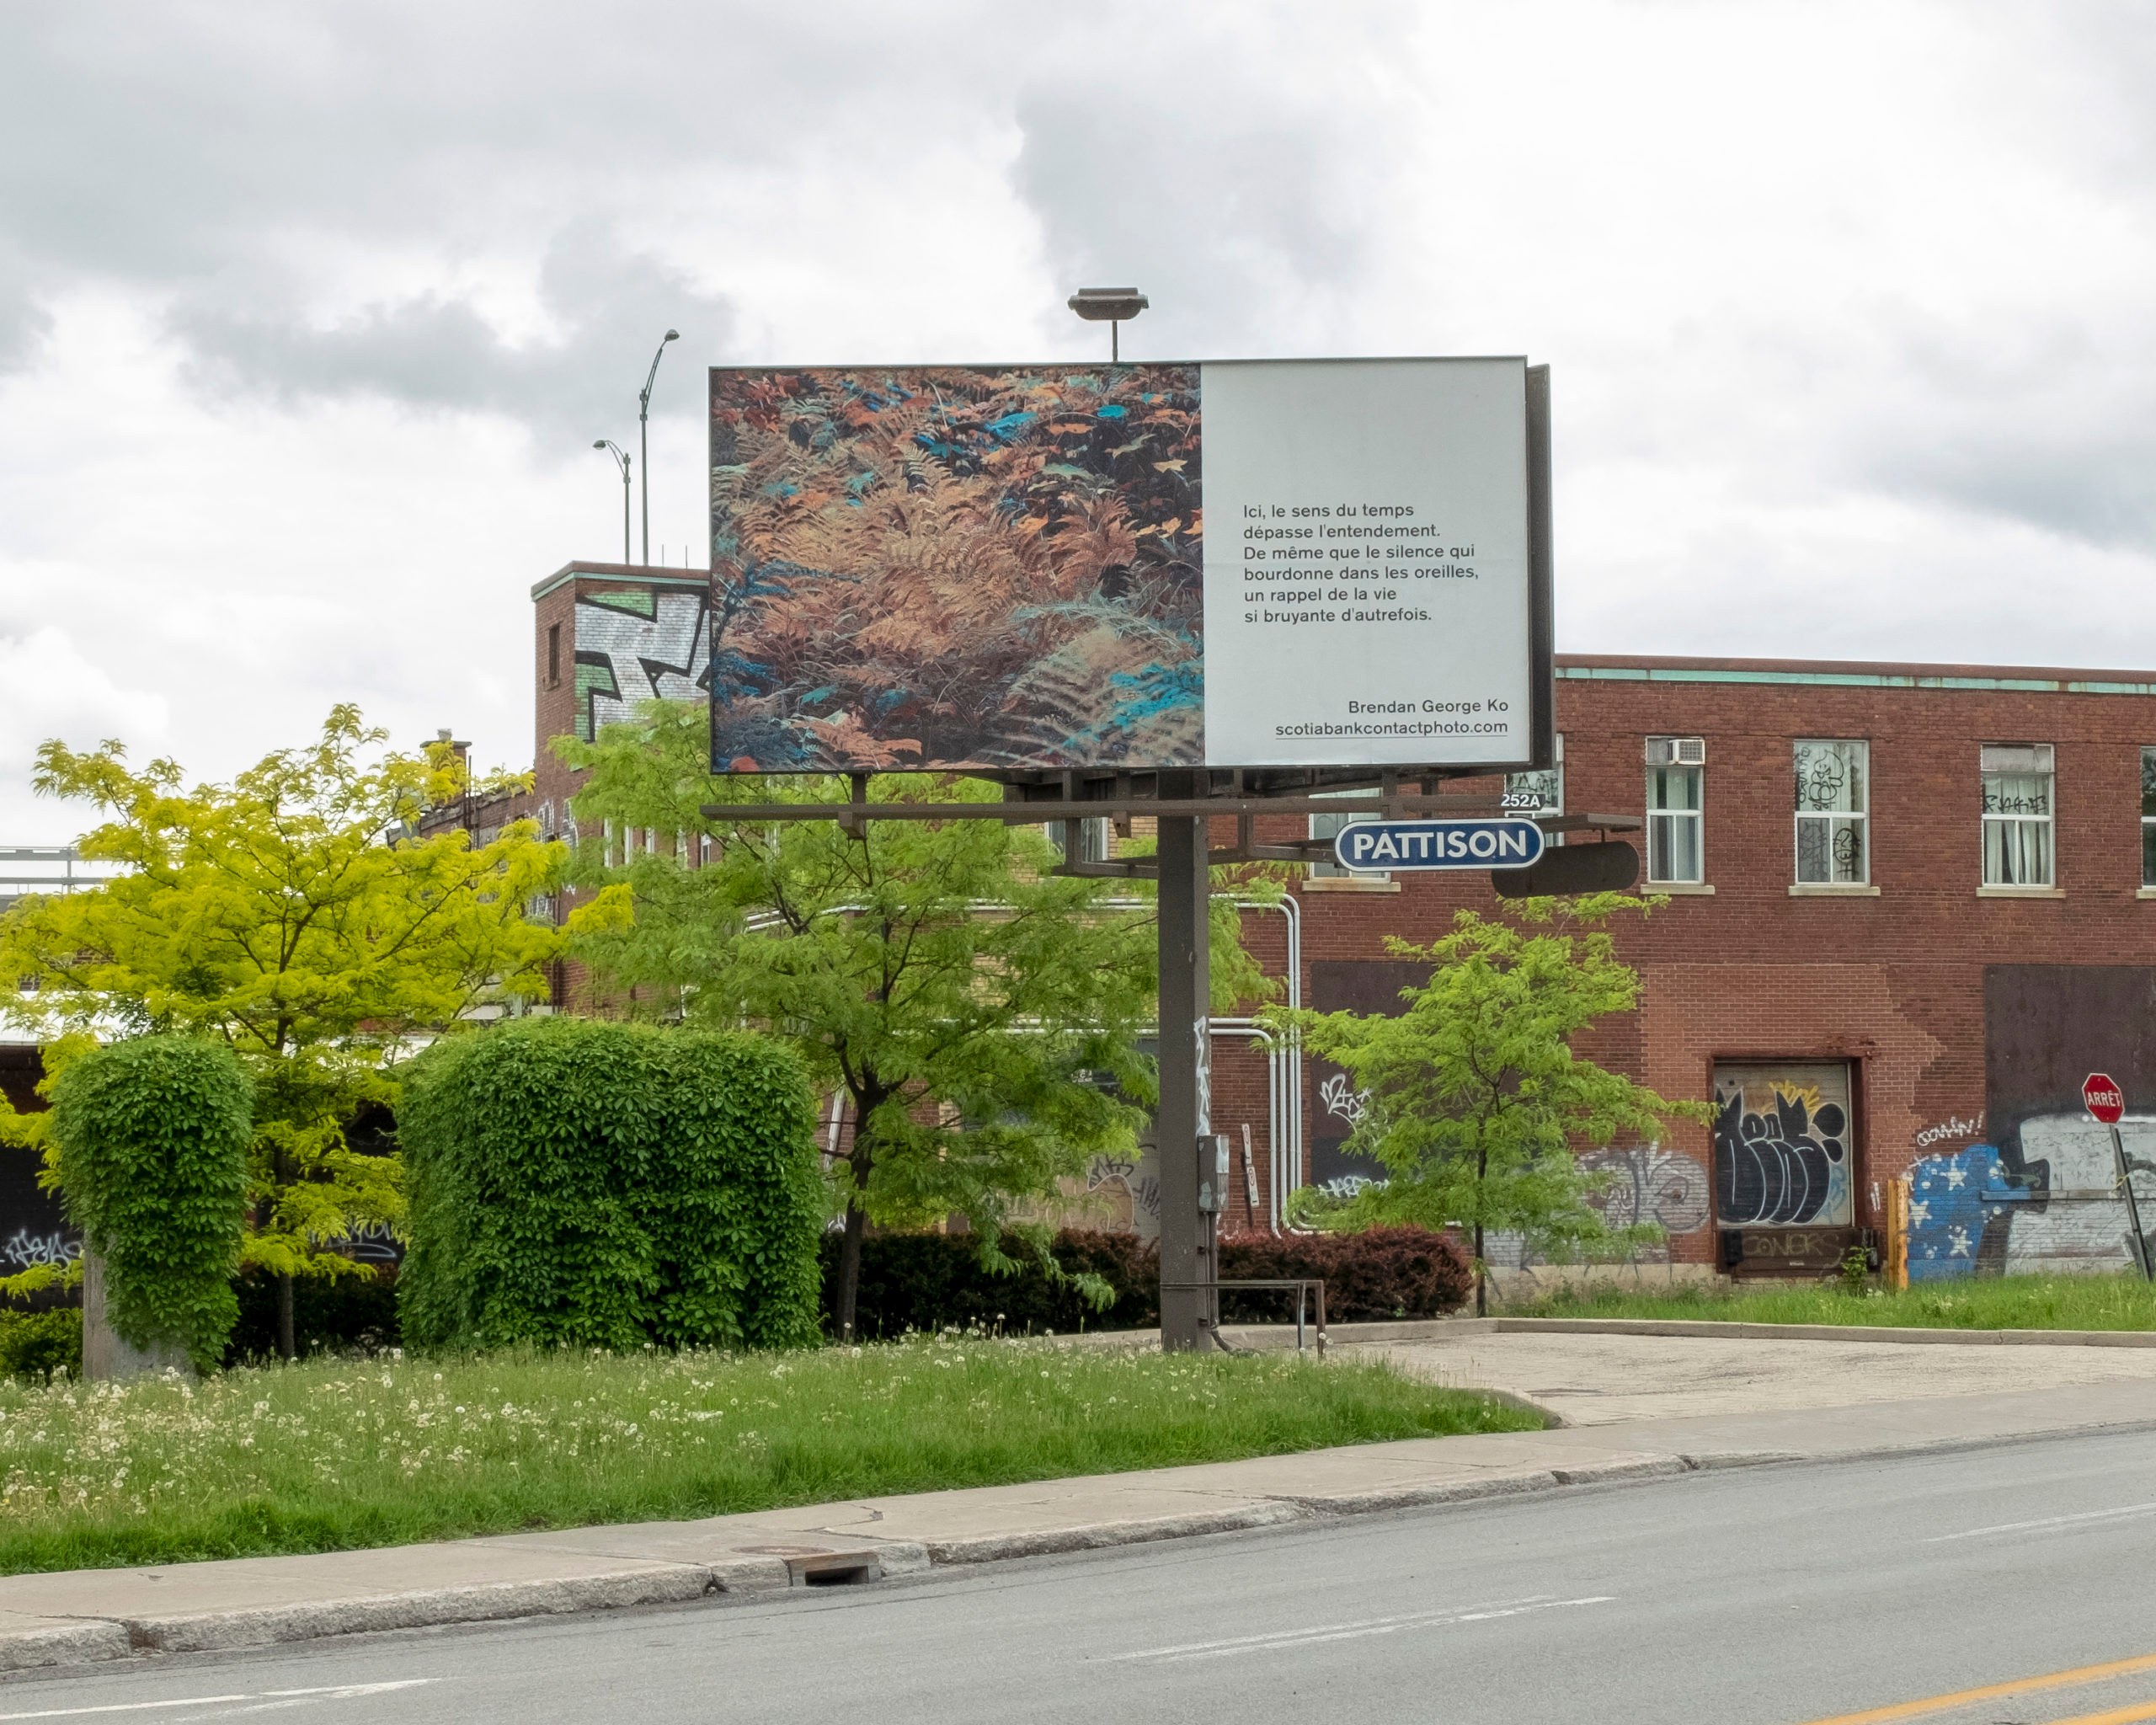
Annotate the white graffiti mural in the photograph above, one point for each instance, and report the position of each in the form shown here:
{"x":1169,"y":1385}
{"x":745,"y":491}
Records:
{"x":1648,"y":1184}
{"x":1144,"y":1188}
{"x":24,"y":1250}
{"x":1140,"y":1179}
{"x":639,"y":643}
{"x":1343,"y":1100}
{"x":1953,"y":1126}
{"x":1970,"y":1215}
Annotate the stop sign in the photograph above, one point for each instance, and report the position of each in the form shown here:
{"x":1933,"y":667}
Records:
{"x":2103,"y":1099}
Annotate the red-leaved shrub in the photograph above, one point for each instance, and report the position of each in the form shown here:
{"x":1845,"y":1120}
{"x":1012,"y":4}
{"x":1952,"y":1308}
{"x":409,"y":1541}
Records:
{"x":926,"y":1281}
{"x":1384,"y":1273}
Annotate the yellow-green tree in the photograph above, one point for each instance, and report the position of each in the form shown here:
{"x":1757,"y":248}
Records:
{"x":296,"y":914}
{"x":1474,"y":1098}
{"x":968,"y":1001}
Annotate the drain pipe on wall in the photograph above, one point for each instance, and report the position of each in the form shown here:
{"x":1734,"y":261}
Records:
{"x":1286,"y":1172}
{"x":1274,"y":1052}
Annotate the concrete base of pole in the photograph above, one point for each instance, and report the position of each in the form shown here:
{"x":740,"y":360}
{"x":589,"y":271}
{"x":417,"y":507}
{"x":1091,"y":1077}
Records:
{"x":104,"y":1355}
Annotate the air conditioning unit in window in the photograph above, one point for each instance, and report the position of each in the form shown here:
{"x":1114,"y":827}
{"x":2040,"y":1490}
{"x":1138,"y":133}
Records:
{"x":1677,"y":751}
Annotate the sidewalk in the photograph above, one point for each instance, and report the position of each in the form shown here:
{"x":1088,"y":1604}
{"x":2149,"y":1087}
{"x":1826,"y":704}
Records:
{"x":92,"y":1615}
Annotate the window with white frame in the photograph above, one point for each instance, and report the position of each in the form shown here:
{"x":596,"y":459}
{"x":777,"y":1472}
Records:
{"x":2018,"y":796}
{"x":1833,"y":792}
{"x":1329,"y":826}
{"x":1676,"y":855}
{"x":1540,"y":793}
{"x":2149,"y":817}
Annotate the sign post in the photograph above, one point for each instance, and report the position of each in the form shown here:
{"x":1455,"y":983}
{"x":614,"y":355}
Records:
{"x":2106,"y":1102}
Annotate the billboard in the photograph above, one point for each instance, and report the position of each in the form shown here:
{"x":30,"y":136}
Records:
{"x":1013,"y":569}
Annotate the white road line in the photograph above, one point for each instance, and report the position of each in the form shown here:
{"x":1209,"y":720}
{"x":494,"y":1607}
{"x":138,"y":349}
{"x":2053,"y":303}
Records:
{"x":335,"y":1692}
{"x":2047,"y":1521}
{"x":1349,"y":1631}
{"x":1246,"y":1641}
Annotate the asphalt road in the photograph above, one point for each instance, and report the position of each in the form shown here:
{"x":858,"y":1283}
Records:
{"x":1774,"y":1595}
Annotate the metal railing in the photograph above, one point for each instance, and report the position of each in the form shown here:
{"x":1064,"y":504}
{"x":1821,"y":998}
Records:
{"x":1301,"y":1284}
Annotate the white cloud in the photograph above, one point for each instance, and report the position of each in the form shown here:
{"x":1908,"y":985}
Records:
{"x":49,"y":686}
{"x":312,"y":317}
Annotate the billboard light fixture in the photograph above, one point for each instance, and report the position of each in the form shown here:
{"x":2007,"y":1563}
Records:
{"x":1111,"y":305}
{"x":643,"y":448}
{"x":622,"y":460}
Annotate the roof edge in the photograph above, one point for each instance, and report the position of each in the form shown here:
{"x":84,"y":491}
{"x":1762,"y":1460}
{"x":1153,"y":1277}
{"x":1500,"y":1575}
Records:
{"x":643,"y":574}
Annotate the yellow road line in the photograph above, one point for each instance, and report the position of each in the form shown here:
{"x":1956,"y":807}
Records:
{"x":2117,"y":1716}
{"x":2020,"y":1685}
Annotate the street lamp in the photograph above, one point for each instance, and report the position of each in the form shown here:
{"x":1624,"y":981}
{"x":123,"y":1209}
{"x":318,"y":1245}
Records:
{"x":643,"y":450}
{"x":1111,"y":305}
{"x":614,"y":449}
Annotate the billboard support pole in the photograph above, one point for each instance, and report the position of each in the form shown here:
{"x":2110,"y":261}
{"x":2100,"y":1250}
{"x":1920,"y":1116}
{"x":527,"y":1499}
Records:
{"x":1184,"y":1109}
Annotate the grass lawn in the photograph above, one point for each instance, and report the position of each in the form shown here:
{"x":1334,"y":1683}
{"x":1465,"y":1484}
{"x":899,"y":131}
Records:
{"x":2109,"y":1302}
{"x":332,"y":1454}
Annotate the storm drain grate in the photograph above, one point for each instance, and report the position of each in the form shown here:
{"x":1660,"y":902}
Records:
{"x":818,"y":1566}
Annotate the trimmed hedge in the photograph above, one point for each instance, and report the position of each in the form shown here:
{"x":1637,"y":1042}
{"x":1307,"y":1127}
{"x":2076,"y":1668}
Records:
{"x":929,"y":1281}
{"x":152,"y":1135}
{"x":571,"y":1180}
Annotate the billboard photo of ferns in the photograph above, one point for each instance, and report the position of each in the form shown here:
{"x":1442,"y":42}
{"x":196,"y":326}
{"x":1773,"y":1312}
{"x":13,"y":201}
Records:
{"x":946,"y":567}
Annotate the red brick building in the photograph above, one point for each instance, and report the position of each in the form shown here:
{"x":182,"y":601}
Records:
{"x":1909,"y":909}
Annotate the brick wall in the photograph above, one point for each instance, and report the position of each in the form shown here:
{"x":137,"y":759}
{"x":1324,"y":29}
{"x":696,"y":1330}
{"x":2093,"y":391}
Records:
{"x":1893,"y":982}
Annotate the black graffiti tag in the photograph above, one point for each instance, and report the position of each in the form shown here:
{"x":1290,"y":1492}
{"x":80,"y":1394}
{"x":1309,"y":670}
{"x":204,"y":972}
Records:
{"x":1775,"y":1169}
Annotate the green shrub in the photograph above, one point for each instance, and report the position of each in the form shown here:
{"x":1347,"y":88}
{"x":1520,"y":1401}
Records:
{"x":931,"y":1281}
{"x":152,"y":1135}
{"x":575,"y":1181}
{"x":36,"y":1344}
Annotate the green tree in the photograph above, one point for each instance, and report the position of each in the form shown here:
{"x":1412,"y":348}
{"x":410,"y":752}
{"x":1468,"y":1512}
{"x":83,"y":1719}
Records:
{"x":294,"y":914}
{"x":1474,"y":1098}
{"x":980,"y":1013}
{"x":151,"y":1136}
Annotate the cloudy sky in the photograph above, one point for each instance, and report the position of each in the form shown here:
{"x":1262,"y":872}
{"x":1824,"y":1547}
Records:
{"x":309,"y":316}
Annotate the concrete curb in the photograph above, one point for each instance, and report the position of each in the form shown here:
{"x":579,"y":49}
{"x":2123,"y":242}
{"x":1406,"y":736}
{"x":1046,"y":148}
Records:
{"x":1273,"y":1338}
{"x":764,"y":1572}
{"x":995,"y":1548}
{"x":1781,"y":1332}
{"x":213,"y":1630}
{"x":64,"y":1644}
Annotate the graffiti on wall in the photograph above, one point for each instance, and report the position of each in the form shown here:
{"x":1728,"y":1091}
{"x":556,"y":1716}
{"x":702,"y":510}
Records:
{"x":1342,"y":1100}
{"x":1648,"y":1184}
{"x":639,"y":643}
{"x":1364,"y":985}
{"x":2041,"y":1192}
{"x":1132,"y":1187}
{"x":1782,"y":1145}
{"x":1991,"y":1210}
{"x":24,"y":1250}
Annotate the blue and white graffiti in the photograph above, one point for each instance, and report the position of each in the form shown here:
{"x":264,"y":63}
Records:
{"x":1970,"y":1213}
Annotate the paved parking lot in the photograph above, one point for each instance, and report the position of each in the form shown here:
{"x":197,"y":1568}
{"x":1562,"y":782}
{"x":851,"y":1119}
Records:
{"x":1605,"y":1380}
